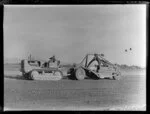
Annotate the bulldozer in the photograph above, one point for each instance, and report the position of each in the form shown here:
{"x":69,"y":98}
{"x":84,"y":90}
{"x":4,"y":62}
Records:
{"x":94,"y":66}
{"x":36,"y":70}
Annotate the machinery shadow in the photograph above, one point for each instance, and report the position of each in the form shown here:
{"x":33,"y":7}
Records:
{"x":17,"y":77}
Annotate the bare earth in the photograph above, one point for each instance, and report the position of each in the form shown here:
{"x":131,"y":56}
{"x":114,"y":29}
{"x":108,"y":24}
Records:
{"x":129,"y":93}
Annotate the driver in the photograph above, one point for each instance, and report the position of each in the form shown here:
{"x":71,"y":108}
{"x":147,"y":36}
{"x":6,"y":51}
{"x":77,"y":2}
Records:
{"x":52,"y":62}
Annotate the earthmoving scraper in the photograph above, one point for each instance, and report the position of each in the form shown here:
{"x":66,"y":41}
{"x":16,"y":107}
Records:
{"x":101,"y":69}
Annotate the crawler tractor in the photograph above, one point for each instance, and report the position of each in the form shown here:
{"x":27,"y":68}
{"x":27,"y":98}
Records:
{"x":34,"y":70}
{"x":94,"y":66}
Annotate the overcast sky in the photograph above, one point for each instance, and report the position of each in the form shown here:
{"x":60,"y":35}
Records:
{"x":70,"y":32}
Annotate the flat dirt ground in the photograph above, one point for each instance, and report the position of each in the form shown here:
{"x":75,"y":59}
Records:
{"x":128,"y":93}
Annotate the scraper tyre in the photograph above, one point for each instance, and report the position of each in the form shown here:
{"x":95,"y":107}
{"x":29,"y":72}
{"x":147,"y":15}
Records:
{"x":80,"y":74}
{"x":33,"y":75}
